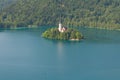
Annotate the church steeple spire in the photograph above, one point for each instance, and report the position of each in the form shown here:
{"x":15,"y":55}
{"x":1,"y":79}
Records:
{"x":60,"y":26}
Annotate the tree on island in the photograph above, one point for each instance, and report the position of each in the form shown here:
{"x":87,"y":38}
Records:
{"x":69,"y":34}
{"x":62,"y":33}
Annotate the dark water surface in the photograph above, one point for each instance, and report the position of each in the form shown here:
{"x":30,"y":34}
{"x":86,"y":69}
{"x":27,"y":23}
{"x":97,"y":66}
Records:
{"x":25,"y":55}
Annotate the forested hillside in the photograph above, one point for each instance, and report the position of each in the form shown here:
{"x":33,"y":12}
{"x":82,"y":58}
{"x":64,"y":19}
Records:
{"x":90,"y":13}
{"x":5,"y":3}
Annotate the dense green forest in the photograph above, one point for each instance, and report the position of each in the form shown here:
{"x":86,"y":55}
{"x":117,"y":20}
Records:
{"x":6,"y":3}
{"x":69,"y":34}
{"x":88,"y":13}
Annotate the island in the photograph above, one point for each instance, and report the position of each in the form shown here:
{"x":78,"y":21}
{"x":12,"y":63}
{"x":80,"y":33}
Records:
{"x":63,"y":33}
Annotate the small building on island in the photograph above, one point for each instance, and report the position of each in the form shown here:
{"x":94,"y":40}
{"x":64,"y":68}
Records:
{"x":61,"y":28}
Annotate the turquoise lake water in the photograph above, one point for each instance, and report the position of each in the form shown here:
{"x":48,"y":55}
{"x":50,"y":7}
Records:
{"x":25,"y":55}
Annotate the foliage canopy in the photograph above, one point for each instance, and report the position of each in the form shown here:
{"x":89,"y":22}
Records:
{"x":69,"y":34}
{"x":91,"y":13}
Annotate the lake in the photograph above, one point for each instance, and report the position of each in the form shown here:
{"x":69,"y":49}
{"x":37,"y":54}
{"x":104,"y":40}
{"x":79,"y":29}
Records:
{"x":25,"y":55}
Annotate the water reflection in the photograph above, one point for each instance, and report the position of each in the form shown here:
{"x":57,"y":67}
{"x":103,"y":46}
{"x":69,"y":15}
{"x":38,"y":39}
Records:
{"x":60,"y":54}
{"x":60,"y":49}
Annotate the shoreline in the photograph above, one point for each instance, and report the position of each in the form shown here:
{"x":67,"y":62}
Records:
{"x":102,"y":28}
{"x":74,"y":39}
{"x":17,"y":28}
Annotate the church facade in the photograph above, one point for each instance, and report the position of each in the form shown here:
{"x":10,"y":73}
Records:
{"x":61,"y":28}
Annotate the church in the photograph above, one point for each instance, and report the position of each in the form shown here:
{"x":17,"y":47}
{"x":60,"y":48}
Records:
{"x":61,"y":28}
